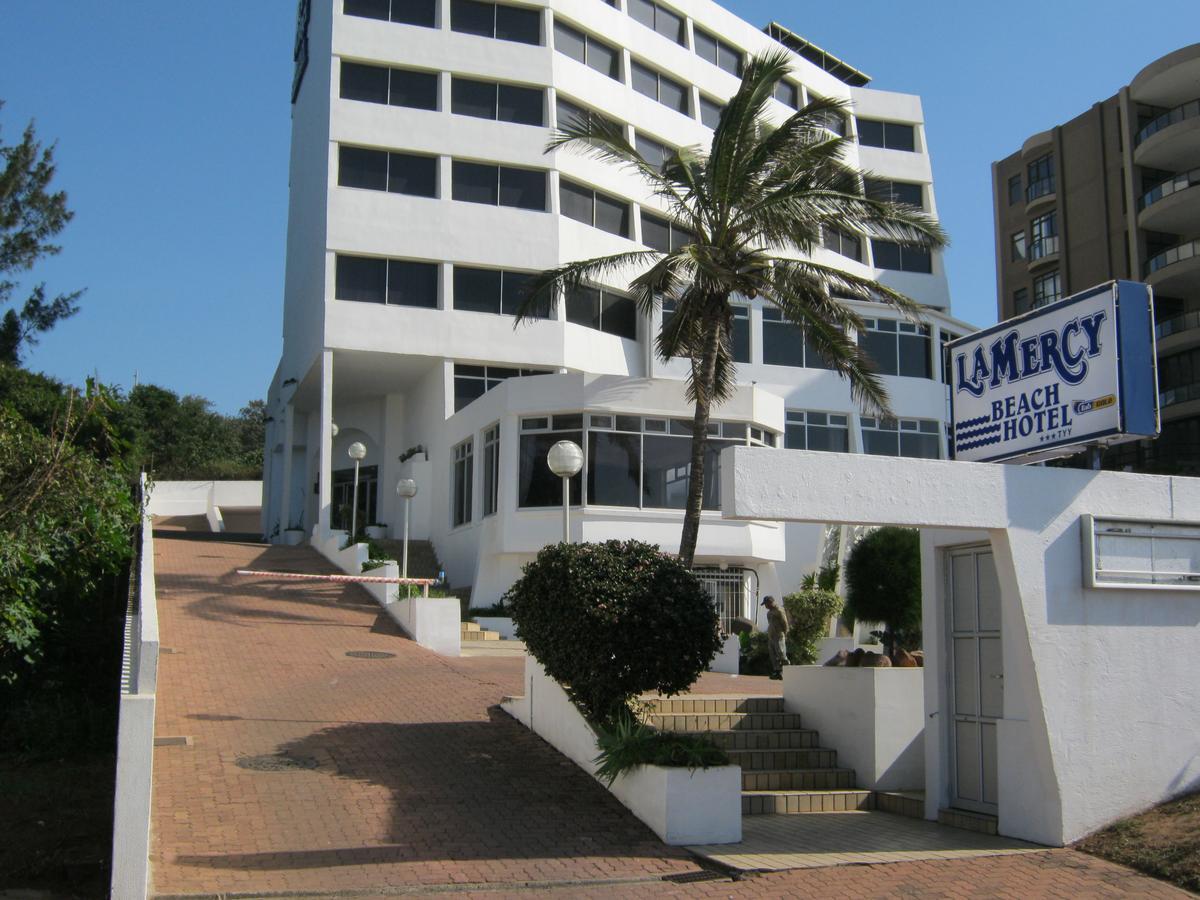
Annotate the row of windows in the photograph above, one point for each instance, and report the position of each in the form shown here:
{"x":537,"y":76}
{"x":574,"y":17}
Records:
{"x":472,"y":382}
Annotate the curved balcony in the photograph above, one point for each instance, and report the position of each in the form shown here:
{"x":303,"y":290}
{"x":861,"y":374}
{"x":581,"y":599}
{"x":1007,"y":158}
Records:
{"x":1173,"y":205}
{"x":1043,"y":252}
{"x":1169,"y":80}
{"x":1171,"y":141}
{"x":1039,"y":193}
{"x":1181,"y":394}
{"x":1178,"y":333}
{"x":1176,"y":271}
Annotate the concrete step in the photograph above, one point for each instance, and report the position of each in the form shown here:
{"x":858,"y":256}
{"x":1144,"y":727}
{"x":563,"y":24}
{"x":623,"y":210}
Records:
{"x":901,"y":803}
{"x":774,"y":739}
{"x":422,"y":558}
{"x":768,"y":760}
{"x":970,"y":821}
{"x":700,"y":722}
{"x":798,"y":780}
{"x":464,"y":627}
{"x":756,"y":803}
{"x":473,"y":636}
{"x":697,"y":704}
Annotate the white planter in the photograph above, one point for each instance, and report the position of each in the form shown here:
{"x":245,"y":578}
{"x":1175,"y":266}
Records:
{"x":293,"y":537}
{"x":376,"y":532}
{"x":681,"y":806}
{"x":501,"y":624}
{"x":873,"y":718}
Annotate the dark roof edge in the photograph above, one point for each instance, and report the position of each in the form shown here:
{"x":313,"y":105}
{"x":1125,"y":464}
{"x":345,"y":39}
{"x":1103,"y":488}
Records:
{"x":838,"y":68}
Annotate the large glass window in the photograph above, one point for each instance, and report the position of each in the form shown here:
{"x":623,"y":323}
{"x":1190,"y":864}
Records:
{"x":379,"y":170}
{"x":408,"y":12}
{"x":656,"y":16}
{"x":717,"y":52}
{"x":658,"y":86}
{"x":739,"y":337}
{"x":462,"y":482}
{"x":1047,"y":289}
{"x":603,"y":309}
{"x":499,"y":185}
{"x":663,"y":235}
{"x":912,"y":438}
{"x":1043,"y":236}
{"x":888,"y":135}
{"x":568,"y":112}
{"x":396,"y":282}
{"x":591,"y":207}
{"x":897,"y":348}
{"x":654,"y":152}
{"x":496,"y":20}
{"x":397,"y":87}
{"x":472,"y":382}
{"x":590,"y":51}
{"x":895,"y":191}
{"x":1017,"y":244}
{"x":1020,"y":300}
{"x":491,"y":470}
{"x":1040,"y":177}
{"x":493,"y":291}
{"x":787,"y":93}
{"x":890,"y":255}
{"x":710,"y":112}
{"x":808,"y":430}
{"x":840,"y":242}
{"x":1014,"y":189}
{"x":503,"y":102}
{"x":786,"y":344}
{"x":536,"y":484}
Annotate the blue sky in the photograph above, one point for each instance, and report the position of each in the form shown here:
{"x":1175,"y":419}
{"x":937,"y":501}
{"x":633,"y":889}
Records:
{"x":172,"y":123}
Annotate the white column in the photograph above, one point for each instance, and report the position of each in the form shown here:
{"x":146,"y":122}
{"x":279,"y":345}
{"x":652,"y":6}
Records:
{"x":285,"y":497}
{"x":325,"y":476}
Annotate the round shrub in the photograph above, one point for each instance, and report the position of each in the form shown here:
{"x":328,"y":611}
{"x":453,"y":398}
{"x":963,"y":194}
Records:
{"x":808,"y":612}
{"x":883,"y":584}
{"x":613,"y":620}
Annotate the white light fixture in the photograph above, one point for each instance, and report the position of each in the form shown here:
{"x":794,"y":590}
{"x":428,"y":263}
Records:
{"x":333,"y":429}
{"x":565,"y":460}
{"x":406,"y":488}
{"x":357,"y":452}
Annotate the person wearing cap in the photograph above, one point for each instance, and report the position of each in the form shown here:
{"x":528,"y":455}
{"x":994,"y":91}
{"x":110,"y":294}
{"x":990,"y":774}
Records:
{"x":777,"y":627}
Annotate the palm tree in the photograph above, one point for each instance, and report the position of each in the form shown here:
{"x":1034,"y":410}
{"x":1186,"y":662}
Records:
{"x":752,"y":204}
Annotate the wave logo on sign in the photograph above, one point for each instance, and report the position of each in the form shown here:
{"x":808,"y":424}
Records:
{"x":1064,"y":351}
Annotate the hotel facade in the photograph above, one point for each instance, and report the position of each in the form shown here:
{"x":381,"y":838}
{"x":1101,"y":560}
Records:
{"x":421,"y":200}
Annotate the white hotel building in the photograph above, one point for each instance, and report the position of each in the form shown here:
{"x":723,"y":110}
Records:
{"x":422,"y":197}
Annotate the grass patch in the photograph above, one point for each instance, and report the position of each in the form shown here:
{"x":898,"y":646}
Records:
{"x":1163,"y":842}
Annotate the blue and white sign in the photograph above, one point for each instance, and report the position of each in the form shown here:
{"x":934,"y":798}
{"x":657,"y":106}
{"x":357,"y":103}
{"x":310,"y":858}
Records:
{"x":1075,"y":374}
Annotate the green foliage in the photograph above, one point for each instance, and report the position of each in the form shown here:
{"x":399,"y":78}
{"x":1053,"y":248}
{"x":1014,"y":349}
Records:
{"x":496,"y":609}
{"x":808,"y":612}
{"x":31,"y":215}
{"x":613,"y":620}
{"x":825,"y":579}
{"x":883,"y":584}
{"x":628,"y":743}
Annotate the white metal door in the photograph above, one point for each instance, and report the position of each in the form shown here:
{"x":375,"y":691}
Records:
{"x":976,"y":677}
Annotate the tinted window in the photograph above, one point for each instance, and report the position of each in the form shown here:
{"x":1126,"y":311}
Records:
{"x":369,"y":9}
{"x":475,"y":182}
{"x":575,"y":202}
{"x":477,"y":290}
{"x":645,"y":81}
{"x":583,"y":306}
{"x":410,"y":174}
{"x":887,"y":255}
{"x":706,"y":45}
{"x":673,"y":94}
{"x":415,"y":12}
{"x":612,"y":215}
{"x":710,"y":112}
{"x":618,"y":315}
{"x":523,"y":188}
{"x":787,"y":94}
{"x":570,"y":42}
{"x":536,"y":484}
{"x":669,"y":25}
{"x":415,"y":89}
{"x":369,"y":83}
{"x":517,"y":23}
{"x":783,"y":342}
{"x":604,"y":59}
{"x":741,"y":334}
{"x":412,"y":283}
{"x":362,"y":168}
{"x":881,"y":348}
{"x":889,"y":135}
{"x":651,"y":150}
{"x":472,"y":17}
{"x":473,"y":98}
{"x":614,"y":468}
{"x":900,"y":137}
{"x":514,"y":288}
{"x":361,"y":279}
{"x":521,"y":105}
{"x":656,"y":233}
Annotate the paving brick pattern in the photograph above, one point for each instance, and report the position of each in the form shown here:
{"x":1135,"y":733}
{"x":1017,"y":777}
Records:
{"x":407,"y":778}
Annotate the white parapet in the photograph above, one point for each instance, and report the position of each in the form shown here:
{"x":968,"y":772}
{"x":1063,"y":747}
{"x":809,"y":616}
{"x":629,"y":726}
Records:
{"x":682,"y":806}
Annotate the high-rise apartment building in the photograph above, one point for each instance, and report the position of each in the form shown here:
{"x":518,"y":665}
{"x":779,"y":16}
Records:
{"x":1115,"y":193}
{"x":422,"y":199}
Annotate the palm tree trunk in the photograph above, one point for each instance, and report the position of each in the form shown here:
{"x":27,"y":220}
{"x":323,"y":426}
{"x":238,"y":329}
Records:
{"x":703,"y":383}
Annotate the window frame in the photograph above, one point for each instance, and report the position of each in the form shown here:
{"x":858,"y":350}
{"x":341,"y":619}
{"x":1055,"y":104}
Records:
{"x":462,"y":478}
{"x":886,"y":143}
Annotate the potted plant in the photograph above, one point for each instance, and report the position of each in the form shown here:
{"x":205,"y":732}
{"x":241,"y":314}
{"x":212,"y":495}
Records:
{"x":293,"y":535}
{"x":376,"y":531}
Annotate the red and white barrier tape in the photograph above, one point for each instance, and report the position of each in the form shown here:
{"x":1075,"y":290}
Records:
{"x":370,"y":579}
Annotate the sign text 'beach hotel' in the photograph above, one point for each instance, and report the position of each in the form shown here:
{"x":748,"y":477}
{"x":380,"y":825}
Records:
{"x":1074,"y":374}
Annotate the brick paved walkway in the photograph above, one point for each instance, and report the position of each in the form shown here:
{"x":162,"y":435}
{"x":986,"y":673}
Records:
{"x":418,"y":781}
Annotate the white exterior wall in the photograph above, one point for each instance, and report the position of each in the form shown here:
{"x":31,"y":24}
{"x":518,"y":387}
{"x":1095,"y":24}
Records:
{"x":1100,"y":694}
{"x":393,"y":366}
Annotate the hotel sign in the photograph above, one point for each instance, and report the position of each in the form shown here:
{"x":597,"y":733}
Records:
{"x":1075,"y":374}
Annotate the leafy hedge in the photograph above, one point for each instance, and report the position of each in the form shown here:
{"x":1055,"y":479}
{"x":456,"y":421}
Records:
{"x":883,"y":584}
{"x":613,"y":620}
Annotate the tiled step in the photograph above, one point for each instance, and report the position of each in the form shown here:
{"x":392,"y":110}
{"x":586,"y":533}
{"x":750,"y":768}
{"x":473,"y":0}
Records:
{"x":710,"y":705}
{"x":798,"y":780}
{"x":464,"y":627}
{"x":971,"y":821}
{"x":755,"y":803}
{"x":901,"y":803}
{"x":759,"y":760}
{"x":471,"y":631}
{"x":724,"y":721}
{"x":791,"y":739}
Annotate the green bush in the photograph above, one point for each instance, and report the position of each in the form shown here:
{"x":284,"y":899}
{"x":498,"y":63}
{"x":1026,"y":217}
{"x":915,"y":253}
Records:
{"x":614,"y":620}
{"x":808,"y":612}
{"x":628,"y":743}
{"x":883,"y":584}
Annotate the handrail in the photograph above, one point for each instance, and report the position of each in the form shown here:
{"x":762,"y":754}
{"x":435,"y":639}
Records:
{"x":1178,"y":253}
{"x":1188,"y":110}
{"x":1043,"y":247}
{"x":1166,"y":188}
{"x":1174,"y":325}
{"x":1039,"y":188}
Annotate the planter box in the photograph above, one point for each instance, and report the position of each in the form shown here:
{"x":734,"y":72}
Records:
{"x":681,"y":806}
{"x":376,"y":532}
{"x":501,"y":624}
{"x":873,"y":718}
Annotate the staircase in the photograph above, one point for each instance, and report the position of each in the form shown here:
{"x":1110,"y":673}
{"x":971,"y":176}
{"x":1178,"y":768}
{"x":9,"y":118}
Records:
{"x":784,"y":771}
{"x":472,"y":632}
{"x":422,"y":559}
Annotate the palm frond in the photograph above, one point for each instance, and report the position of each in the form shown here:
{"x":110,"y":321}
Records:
{"x":545,"y":289}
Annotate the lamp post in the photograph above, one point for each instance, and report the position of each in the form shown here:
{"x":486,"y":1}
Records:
{"x":357,"y":451}
{"x":565,"y":460}
{"x":406,"y":488}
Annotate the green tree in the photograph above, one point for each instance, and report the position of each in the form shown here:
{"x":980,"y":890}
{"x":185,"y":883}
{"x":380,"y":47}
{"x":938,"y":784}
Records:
{"x":757,"y":199}
{"x":883,"y":584}
{"x":31,"y":215}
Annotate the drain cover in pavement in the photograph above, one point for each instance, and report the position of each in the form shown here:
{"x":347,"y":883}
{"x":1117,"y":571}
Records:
{"x":370,"y":654}
{"x":278,"y":763}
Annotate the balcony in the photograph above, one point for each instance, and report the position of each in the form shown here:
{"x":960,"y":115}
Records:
{"x":1176,"y":271}
{"x":1171,"y":141}
{"x":1039,"y":192}
{"x":1181,"y":394}
{"x":1043,"y":251}
{"x":1169,"y":80}
{"x":1177,"y":333}
{"x":1173,"y":205}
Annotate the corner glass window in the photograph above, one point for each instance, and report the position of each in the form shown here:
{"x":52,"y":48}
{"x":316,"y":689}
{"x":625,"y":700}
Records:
{"x":808,"y":430}
{"x":888,"y":135}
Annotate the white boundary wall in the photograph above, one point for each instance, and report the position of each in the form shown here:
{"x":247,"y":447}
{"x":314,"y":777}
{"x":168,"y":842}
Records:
{"x":203,"y":498}
{"x":135,"y":733}
{"x":703,"y":806}
{"x":1101,"y":697}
